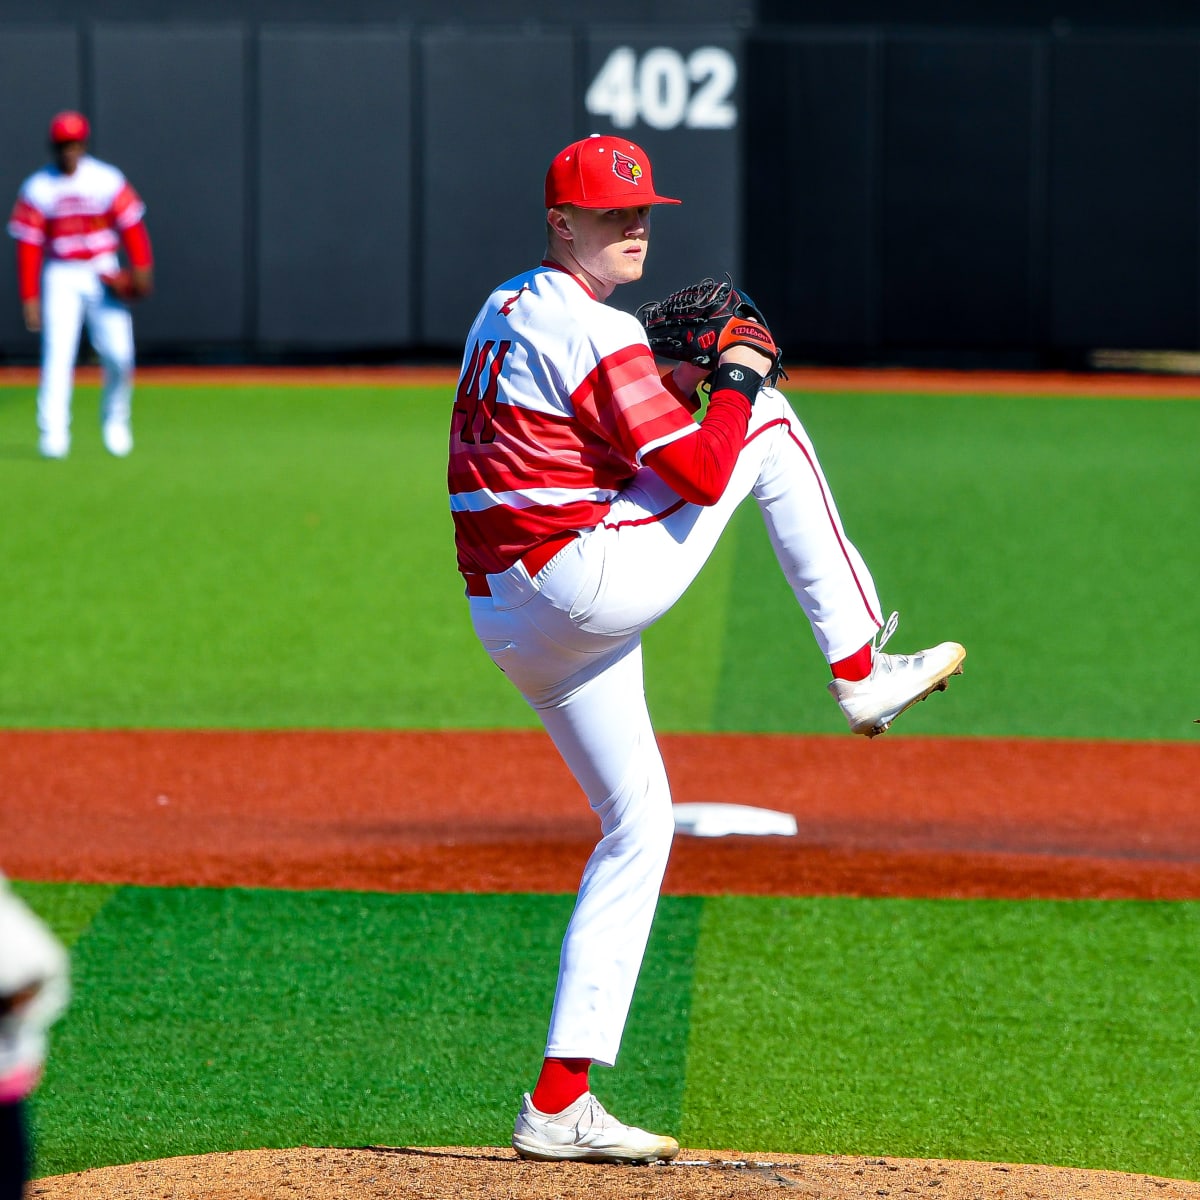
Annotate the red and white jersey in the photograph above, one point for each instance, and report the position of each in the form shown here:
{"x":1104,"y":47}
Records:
{"x":558,"y":400}
{"x":78,"y":216}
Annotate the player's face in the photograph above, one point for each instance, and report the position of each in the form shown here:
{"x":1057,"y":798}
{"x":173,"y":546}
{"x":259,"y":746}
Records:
{"x":608,"y":244}
{"x":67,"y":156}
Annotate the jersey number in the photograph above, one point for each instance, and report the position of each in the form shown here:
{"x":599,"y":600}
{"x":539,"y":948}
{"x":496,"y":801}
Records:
{"x":477,"y":403}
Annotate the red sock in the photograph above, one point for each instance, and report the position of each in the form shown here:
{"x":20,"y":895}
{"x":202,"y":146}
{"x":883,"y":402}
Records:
{"x":561,"y":1083}
{"x":856,"y":667}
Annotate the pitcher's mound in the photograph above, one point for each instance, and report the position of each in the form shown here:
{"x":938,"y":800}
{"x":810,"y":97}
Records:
{"x":454,"y":1173}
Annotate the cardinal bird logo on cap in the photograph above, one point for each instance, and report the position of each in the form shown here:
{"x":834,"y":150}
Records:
{"x":626,"y":168}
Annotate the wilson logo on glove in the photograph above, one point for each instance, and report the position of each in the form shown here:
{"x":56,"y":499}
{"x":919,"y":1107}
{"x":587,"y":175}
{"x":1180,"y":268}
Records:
{"x":745,"y":332}
{"x":696,"y":323}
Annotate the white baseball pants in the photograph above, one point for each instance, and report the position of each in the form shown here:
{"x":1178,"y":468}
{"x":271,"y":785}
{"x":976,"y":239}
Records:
{"x":570,"y":640}
{"x":73,"y":295}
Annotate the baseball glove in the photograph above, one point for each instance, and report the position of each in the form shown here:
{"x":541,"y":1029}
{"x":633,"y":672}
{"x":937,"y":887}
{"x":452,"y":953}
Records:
{"x":696,"y":323}
{"x":123,"y":285}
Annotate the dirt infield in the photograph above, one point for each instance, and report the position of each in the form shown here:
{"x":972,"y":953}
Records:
{"x":395,"y":812}
{"x":453,"y":1173}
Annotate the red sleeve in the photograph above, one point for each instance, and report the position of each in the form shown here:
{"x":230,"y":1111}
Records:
{"x":137,"y":245}
{"x":29,"y":270}
{"x":698,"y":467}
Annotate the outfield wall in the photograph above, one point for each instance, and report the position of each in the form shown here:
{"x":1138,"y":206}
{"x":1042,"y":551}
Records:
{"x":1011,"y":196}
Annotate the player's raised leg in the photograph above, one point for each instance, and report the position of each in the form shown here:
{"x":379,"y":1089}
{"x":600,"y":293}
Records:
{"x":664,"y":546}
{"x":832,"y":583}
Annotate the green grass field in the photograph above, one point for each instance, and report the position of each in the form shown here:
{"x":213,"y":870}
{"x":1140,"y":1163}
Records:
{"x":281,"y":558}
{"x":284,"y":559}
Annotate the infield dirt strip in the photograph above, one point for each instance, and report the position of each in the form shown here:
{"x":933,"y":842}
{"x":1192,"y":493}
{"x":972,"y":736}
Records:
{"x":399,"y":811}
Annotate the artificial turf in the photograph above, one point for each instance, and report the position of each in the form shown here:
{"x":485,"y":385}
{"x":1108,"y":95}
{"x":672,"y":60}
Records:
{"x":1004,"y":1030}
{"x":283,"y":558}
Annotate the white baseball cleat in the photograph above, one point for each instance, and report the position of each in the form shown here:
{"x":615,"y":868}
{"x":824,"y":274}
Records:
{"x":584,"y":1132}
{"x":896,"y":682}
{"x":118,"y":438}
{"x":54,"y":445}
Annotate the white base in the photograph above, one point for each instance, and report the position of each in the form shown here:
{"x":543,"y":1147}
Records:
{"x":718,"y":820}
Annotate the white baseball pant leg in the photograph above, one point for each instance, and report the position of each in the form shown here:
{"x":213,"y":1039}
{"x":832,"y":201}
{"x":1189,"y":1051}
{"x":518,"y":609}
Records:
{"x":64,"y":292}
{"x":570,"y":641}
{"x":110,"y":328}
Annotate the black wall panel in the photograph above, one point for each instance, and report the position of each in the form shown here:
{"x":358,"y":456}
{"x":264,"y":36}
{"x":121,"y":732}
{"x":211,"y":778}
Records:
{"x":957,"y":216}
{"x":885,"y":192}
{"x":171,"y":103}
{"x":1124,"y":193}
{"x":496,"y":106}
{"x":40,"y":71}
{"x":334,"y":179}
{"x":810,"y":189}
{"x":464,"y":13}
{"x":990,"y":14}
{"x":679,"y":97}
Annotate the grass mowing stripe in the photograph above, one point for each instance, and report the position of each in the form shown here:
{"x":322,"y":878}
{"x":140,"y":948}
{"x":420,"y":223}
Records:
{"x":683,"y":650}
{"x":282,"y":558}
{"x":211,"y":1020}
{"x":1034,"y":531}
{"x":264,"y":559}
{"x":68,"y":908}
{"x":1039,"y":1032}
{"x":646,"y":1087}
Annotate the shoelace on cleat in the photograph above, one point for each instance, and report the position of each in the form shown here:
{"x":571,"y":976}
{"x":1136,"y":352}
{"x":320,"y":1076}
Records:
{"x":879,"y":660}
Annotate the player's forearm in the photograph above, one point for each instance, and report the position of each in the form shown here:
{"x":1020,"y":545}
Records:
{"x":136,"y":240}
{"x":29,"y":271}
{"x":698,"y":467}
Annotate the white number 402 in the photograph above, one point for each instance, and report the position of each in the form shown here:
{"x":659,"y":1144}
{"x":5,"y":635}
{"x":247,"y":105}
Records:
{"x":659,"y":89}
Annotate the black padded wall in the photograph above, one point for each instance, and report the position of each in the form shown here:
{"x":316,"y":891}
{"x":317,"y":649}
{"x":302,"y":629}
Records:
{"x":169,"y":105}
{"x":960,"y":220}
{"x":495,"y":107}
{"x":40,"y":68}
{"x":334,"y":177}
{"x":811,"y":194}
{"x":1125,"y":192}
{"x":963,"y":191}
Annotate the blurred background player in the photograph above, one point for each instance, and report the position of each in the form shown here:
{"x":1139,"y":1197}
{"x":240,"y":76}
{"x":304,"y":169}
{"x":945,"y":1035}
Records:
{"x":70,"y":221}
{"x":34,"y":990}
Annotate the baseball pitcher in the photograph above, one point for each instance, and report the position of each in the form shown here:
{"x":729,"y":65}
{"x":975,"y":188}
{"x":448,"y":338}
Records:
{"x":586,"y":497}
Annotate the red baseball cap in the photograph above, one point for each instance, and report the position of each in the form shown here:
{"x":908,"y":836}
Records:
{"x":69,"y":127}
{"x":602,"y":172}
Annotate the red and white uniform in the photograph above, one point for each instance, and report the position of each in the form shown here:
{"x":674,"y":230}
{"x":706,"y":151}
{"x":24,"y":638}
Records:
{"x":572,"y":542}
{"x":558,"y":401}
{"x":69,"y":231}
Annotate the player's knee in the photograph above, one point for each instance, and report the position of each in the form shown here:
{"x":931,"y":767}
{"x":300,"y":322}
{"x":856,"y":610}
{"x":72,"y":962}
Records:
{"x":645,"y":823}
{"x":655,"y":828}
